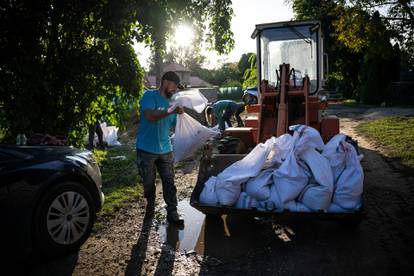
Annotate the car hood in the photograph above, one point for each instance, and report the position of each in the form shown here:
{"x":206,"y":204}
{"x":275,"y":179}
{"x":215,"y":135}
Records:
{"x":48,"y":152}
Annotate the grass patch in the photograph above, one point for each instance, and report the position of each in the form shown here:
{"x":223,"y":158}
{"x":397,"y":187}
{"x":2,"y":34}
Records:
{"x":396,"y":134}
{"x":354,"y":103}
{"x":120,"y":179}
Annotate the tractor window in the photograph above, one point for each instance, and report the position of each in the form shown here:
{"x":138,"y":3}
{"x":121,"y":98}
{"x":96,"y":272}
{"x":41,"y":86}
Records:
{"x":294,"y":45}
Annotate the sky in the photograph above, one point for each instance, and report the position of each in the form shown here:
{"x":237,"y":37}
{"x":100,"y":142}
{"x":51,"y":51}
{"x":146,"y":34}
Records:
{"x":247,"y":13}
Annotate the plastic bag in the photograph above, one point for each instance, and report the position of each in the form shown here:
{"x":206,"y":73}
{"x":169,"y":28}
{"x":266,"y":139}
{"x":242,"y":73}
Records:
{"x":192,"y":99}
{"x":110,"y":135}
{"x":189,"y":136}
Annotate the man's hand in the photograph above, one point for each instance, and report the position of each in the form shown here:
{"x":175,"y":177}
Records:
{"x":178,"y":110}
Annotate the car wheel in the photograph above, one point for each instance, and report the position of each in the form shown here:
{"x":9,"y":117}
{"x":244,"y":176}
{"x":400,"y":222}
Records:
{"x":64,"y":219}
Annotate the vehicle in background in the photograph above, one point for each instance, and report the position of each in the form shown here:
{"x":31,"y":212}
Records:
{"x":49,"y":197}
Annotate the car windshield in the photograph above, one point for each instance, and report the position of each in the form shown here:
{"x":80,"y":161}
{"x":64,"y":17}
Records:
{"x":296,"y":46}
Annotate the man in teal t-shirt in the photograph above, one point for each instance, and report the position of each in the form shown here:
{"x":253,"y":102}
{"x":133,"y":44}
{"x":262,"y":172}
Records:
{"x":154,"y":149}
{"x":223,"y":110}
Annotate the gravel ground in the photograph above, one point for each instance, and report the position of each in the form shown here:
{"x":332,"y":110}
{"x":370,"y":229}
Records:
{"x":382,"y":244}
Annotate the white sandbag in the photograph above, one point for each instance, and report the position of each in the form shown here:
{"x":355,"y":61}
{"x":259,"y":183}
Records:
{"x":109,"y":135}
{"x":189,"y":136}
{"x":274,"y":203}
{"x":289,"y":180}
{"x":249,"y":166}
{"x":259,"y":187}
{"x":349,"y":186}
{"x":228,"y":182}
{"x":227,"y":192}
{"x":294,"y":206}
{"x":280,"y":148}
{"x":334,"y":151}
{"x":208,"y":194}
{"x":347,"y":172}
{"x":192,"y":99}
{"x":334,"y":208}
{"x":317,"y":196}
{"x":245,"y":202}
{"x":306,"y":137}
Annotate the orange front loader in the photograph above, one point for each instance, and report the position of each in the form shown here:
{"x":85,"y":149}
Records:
{"x":286,"y":97}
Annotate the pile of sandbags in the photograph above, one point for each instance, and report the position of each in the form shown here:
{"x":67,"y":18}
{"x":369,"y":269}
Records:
{"x":291,"y":172}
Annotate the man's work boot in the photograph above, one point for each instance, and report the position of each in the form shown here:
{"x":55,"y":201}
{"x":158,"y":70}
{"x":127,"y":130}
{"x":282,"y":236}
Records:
{"x":175,"y":218}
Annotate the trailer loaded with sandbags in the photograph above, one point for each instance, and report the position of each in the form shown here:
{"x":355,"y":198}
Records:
{"x":292,"y":160}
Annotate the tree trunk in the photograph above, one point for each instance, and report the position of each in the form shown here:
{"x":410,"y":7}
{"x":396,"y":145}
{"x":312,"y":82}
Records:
{"x":159,"y":50}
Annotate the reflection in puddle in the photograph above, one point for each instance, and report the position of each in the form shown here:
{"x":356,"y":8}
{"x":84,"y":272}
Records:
{"x":225,"y":236}
{"x":184,"y":239}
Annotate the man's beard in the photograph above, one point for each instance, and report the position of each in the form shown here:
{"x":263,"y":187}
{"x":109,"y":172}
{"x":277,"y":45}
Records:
{"x":168,"y":94}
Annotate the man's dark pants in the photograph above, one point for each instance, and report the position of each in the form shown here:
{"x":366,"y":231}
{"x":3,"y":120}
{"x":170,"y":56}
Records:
{"x":96,"y":127}
{"x":230,"y":111}
{"x":148,"y":163}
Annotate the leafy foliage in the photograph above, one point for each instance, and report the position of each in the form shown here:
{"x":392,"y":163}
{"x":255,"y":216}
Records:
{"x":250,"y":74}
{"x":73,"y":63}
{"x":66,"y":61}
{"x":210,"y":19}
{"x":226,"y":75}
{"x":358,"y":42}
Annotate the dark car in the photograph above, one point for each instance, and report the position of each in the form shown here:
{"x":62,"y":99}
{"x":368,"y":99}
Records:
{"x":49,"y":197}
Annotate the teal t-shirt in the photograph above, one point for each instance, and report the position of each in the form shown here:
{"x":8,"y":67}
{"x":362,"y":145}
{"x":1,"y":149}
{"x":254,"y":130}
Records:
{"x":154,"y":137}
{"x":219,"y":107}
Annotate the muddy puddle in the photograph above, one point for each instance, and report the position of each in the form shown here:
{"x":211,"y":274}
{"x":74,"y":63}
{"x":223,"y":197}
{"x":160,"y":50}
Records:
{"x":224,"y":237}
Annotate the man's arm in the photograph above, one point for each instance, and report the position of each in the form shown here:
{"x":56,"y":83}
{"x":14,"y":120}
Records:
{"x":154,"y":115}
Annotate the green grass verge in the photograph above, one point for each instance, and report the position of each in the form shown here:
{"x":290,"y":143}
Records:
{"x":396,"y":134}
{"x":354,"y":103}
{"x":120,"y":179}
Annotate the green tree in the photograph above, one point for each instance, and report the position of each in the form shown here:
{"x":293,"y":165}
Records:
{"x":244,"y":63}
{"x":357,"y":40}
{"x":250,"y":74}
{"x":160,"y":16}
{"x":62,"y":63}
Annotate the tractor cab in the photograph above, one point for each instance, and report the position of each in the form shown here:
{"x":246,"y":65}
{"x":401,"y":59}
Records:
{"x":290,"y":79}
{"x":298,"y":44}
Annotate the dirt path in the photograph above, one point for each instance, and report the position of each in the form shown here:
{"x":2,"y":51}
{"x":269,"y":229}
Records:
{"x":382,"y":244}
